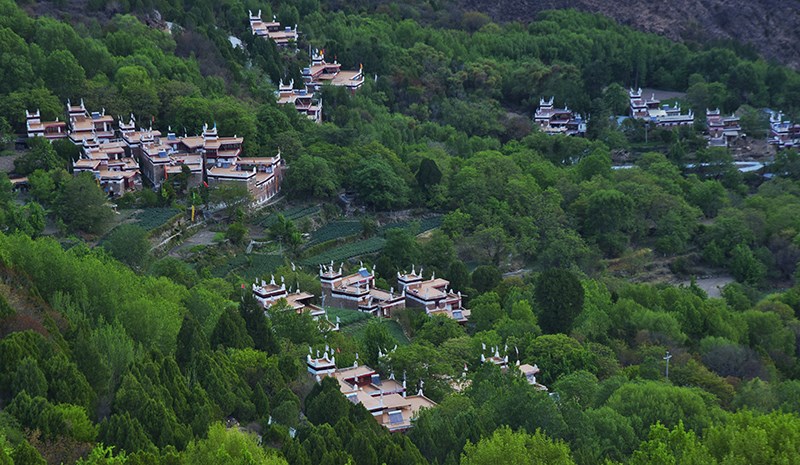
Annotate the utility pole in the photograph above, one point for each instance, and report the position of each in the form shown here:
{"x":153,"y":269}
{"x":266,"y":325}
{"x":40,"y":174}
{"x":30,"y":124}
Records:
{"x":667,"y":357}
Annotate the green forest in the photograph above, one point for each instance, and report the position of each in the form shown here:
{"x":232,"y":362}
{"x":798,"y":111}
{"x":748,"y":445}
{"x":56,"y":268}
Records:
{"x":113,"y":351}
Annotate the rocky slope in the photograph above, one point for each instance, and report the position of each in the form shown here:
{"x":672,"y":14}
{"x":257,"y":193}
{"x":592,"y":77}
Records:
{"x":772,"y":27}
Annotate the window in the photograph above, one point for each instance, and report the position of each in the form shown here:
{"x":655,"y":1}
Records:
{"x":396,"y":417}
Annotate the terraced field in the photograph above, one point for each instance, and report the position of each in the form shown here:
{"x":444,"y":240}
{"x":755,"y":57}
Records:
{"x":358,"y":323}
{"x":249,"y":266}
{"x":334,"y":230}
{"x":346,"y":251}
{"x":290,"y":214}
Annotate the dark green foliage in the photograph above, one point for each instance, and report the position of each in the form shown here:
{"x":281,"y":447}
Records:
{"x":298,"y":328}
{"x":559,"y":300}
{"x":326,"y":404}
{"x":485,"y":278}
{"x":25,"y":454}
{"x":376,"y":338}
{"x":444,"y":126}
{"x":41,"y":156}
{"x":257,"y":324}
{"x":379,"y":186}
{"x":401,"y":249}
{"x":486,"y":311}
{"x":29,"y":378}
{"x":439,"y":329}
{"x":66,"y":384}
{"x":125,"y":433}
{"x":191,"y":342}
{"x":324,"y":183}
{"x":81,"y":204}
{"x":176,"y":270}
{"x":428,"y":174}
{"x":231,"y":331}
{"x":128,"y":243}
{"x":236,"y":233}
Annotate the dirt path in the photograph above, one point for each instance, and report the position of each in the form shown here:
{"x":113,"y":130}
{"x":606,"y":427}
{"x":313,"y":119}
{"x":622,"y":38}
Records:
{"x":204,"y":237}
{"x":712,"y":285}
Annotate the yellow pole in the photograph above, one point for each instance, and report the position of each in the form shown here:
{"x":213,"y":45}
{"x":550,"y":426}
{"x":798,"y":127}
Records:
{"x":192,"y":213}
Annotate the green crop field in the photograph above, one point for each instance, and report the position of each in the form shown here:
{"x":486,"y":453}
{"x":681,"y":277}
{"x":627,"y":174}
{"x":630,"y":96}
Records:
{"x":290,"y":214}
{"x":334,"y":230}
{"x":425,"y":224}
{"x":346,"y":316}
{"x":357,"y":329}
{"x":342,"y":253}
{"x":152,"y":218}
{"x":249,"y":266}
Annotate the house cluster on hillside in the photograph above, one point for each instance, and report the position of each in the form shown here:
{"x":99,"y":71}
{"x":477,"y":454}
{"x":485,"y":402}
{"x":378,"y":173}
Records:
{"x":318,"y":72}
{"x":119,"y":157}
{"x":528,"y":371}
{"x":284,"y":36}
{"x":386,"y":399}
{"x":722,"y":130}
{"x":268,"y":294}
{"x":651,"y":109}
{"x":305,"y":102}
{"x":557,"y":120}
{"x":783,"y":133}
{"x":357,"y":291}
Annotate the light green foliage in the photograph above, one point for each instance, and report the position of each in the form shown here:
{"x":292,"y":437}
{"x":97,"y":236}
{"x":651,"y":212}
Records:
{"x":128,"y":243}
{"x":42,"y":186}
{"x":649,"y":402}
{"x":228,"y":447}
{"x":376,"y":338}
{"x":379,"y":185}
{"x":560,"y":355}
{"x":5,"y":452}
{"x":149,"y":309}
{"x":162,"y":358}
{"x":508,"y":447}
{"x":103,"y":455}
{"x":322,"y":185}
{"x":486,"y":311}
{"x":439,"y":329}
{"x":671,"y":446}
{"x":745,"y":267}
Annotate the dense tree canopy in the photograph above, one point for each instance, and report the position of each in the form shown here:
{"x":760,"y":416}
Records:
{"x":106,"y":357}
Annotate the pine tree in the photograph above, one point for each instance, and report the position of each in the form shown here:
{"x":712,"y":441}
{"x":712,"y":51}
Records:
{"x":231,"y":331}
{"x":29,"y":377}
{"x":258,"y":327}
{"x":191,"y":341}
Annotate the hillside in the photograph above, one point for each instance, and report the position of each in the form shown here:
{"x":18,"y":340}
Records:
{"x":200,"y":264}
{"x":771,"y":27}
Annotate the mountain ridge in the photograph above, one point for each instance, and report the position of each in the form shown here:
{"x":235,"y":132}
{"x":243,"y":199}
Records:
{"x":771,"y":27}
